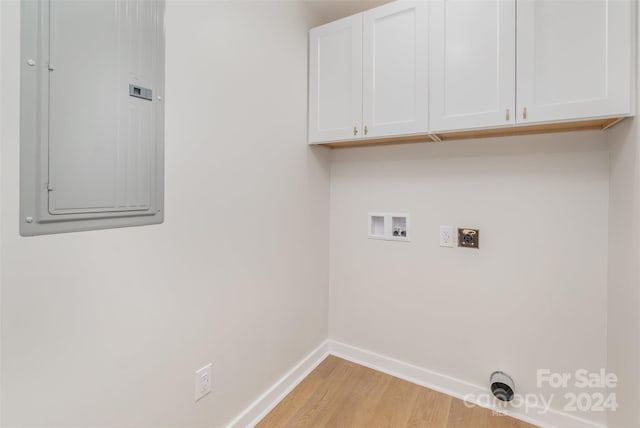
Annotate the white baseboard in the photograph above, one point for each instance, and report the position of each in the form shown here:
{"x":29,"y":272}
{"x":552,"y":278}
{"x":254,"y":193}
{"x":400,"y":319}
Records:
{"x":411,"y":373}
{"x":452,"y":386}
{"x":274,"y":395}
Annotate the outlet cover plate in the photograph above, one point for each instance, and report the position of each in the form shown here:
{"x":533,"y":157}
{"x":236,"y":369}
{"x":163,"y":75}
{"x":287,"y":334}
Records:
{"x":203,"y":382}
{"x":446,"y":236}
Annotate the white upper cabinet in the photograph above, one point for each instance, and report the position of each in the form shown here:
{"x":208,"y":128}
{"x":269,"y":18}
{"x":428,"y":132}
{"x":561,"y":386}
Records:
{"x":368,"y":74}
{"x":472,"y":63}
{"x":575,"y":59}
{"x":335,"y":80}
{"x":441,"y":66}
{"x":395,"y":74}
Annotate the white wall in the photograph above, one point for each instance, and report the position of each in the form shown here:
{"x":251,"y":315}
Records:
{"x":325,"y":11}
{"x":534,"y":295}
{"x":623,"y":314}
{"x":623,"y":331}
{"x":106,"y":328}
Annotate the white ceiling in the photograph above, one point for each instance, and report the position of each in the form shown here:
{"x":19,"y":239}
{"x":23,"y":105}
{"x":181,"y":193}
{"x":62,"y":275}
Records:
{"x":329,"y":10}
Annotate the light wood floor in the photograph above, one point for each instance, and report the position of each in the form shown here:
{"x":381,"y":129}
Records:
{"x":339,"y":393}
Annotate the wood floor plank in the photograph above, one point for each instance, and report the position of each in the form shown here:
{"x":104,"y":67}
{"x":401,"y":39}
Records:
{"x":463,"y":416}
{"x":431,"y":410}
{"x":395,"y":409}
{"x":281,"y":415}
{"x":356,"y":406}
{"x":328,"y":418}
{"x":341,"y":394}
{"x":323,"y":398}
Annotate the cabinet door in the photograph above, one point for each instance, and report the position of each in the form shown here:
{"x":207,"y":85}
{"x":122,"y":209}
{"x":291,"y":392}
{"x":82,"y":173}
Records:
{"x":574,"y":59}
{"x":395,"y":74}
{"x":335,"y":80}
{"x":472,"y":64}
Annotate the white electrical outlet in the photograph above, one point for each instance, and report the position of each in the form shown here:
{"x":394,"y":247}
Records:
{"x":203,"y":381}
{"x":446,"y":236}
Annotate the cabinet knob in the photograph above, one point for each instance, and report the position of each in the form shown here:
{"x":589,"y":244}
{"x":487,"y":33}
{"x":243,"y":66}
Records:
{"x":366,"y":131}
{"x":507,"y":115}
{"x":524,"y":113}
{"x":355,"y":130}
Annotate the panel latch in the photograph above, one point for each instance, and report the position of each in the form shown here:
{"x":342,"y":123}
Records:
{"x":140,"y":92}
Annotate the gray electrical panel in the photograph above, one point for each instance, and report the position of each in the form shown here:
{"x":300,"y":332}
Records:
{"x":92,"y":115}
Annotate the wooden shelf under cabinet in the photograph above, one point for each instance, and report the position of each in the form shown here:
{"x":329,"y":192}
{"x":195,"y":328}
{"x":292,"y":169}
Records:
{"x":545,"y":128}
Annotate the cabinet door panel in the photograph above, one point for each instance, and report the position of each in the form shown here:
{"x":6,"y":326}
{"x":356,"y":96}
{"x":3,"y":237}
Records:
{"x":335,"y":80}
{"x":472,"y":64}
{"x":574,"y":59}
{"x":395,"y":85}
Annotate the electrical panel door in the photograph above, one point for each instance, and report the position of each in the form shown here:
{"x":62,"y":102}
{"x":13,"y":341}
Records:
{"x":92,"y":118}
